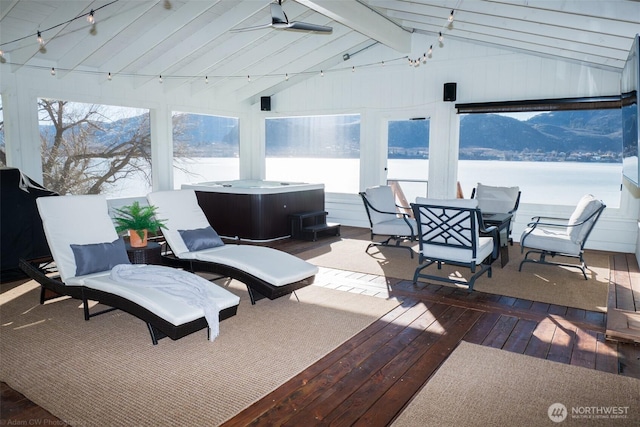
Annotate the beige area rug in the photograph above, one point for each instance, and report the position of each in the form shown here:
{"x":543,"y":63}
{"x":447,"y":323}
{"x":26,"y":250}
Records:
{"x":543,"y":283}
{"x":107,"y":372}
{"x":482,"y":386}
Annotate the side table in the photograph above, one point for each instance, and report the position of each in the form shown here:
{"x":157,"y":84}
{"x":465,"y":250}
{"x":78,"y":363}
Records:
{"x":150,"y":254}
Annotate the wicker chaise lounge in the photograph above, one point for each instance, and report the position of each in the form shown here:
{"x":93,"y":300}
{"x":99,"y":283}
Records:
{"x":195,"y":246}
{"x":86,"y":248}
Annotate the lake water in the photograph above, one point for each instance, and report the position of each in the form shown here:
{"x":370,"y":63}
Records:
{"x":560,"y":183}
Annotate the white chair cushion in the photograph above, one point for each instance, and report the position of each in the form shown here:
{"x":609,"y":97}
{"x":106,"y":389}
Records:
{"x":168,"y":307}
{"x":586,"y":207}
{"x":381,"y":198}
{"x":181,"y":211}
{"x":395,"y":227}
{"x":483,"y":250}
{"x":77,"y":220}
{"x":273,"y":266}
{"x":493,"y":199}
{"x":554,"y":240}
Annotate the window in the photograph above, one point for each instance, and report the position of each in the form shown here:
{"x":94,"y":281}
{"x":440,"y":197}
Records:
{"x":95,"y":149}
{"x":555,"y":157}
{"x":315,"y":149}
{"x":205,"y":148}
{"x":3,"y":149}
{"x":408,"y":158}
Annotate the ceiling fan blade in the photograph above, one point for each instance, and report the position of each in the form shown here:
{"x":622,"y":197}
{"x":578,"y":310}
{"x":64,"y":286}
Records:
{"x":305,"y":26}
{"x":277,"y":14}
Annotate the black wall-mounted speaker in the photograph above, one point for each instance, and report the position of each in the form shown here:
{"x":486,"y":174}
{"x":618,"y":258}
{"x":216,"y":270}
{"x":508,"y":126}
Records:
{"x":265,"y":103}
{"x":449,"y":92}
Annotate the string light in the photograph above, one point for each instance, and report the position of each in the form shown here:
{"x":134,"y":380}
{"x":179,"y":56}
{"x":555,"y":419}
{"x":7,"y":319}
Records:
{"x":248,"y":78}
{"x":429,"y":53}
{"x":53,"y":71}
{"x":286,"y":76}
{"x":206,"y":80}
{"x":160,"y":79}
{"x":40,"y":39}
{"x":109,"y":77}
{"x":90,"y":18}
{"x":353,"y":69}
{"x":321,"y":73}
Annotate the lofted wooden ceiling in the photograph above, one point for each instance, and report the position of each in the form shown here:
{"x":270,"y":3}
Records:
{"x":188,"y":40}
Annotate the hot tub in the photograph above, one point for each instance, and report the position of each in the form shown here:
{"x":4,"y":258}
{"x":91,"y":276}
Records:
{"x":255,"y":209}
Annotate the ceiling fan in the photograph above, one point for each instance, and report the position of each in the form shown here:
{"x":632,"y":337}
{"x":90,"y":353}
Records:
{"x":280,"y":21}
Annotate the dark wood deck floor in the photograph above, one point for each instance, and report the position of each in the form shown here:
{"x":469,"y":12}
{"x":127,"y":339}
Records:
{"x":373,"y":376}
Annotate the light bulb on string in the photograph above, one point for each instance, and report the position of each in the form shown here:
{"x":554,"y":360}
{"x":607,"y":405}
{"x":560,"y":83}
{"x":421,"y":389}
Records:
{"x":53,"y":71}
{"x":40,"y":39}
{"x":248,"y":78}
{"x":440,"y":37}
{"x":160,"y":79}
{"x":286,"y":76}
{"x":109,"y":77}
{"x":206,"y":80}
{"x":451,"y":17}
{"x":321,"y":73}
{"x":430,"y":51}
{"x":90,"y":18}
{"x":424,"y":58}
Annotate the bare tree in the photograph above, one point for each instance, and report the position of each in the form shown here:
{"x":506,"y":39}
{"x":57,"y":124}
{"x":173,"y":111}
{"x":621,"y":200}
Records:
{"x":83,"y":150}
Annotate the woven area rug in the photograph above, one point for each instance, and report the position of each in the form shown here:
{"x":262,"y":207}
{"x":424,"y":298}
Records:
{"x":483,"y":386}
{"x":542,"y":283}
{"x":107,"y":372}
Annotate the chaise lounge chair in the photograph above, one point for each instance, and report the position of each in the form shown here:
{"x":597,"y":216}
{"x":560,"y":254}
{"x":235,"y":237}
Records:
{"x":87,"y":251}
{"x":195,"y":246}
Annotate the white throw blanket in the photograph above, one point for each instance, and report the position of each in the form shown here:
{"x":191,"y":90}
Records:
{"x":187,"y":286}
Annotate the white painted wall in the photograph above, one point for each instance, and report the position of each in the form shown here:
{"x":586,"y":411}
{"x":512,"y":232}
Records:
{"x":375,"y":91}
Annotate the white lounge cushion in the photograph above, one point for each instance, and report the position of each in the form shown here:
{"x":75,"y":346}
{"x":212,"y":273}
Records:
{"x":274,"y":267}
{"x":164,"y":305}
{"x":181,"y":210}
{"x":79,"y":220}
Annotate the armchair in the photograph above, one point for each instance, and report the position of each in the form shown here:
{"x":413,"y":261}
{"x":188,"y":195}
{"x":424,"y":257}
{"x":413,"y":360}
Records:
{"x":386,"y":220}
{"x":449,"y":233}
{"x":492,"y":200}
{"x":561,"y":236}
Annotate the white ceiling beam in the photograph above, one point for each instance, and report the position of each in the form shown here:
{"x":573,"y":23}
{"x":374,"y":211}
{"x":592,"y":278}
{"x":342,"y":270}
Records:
{"x":364,"y":20}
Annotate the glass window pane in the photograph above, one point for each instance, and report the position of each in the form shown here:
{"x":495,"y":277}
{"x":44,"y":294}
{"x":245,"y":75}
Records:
{"x":408,"y":158}
{"x":95,"y":149}
{"x":3,"y":149}
{"x":315,"y":149}
{"x":554,"y":157}
{"x":205,"y":148}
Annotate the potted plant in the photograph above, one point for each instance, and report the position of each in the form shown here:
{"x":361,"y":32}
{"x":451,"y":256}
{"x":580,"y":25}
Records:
{"x":137,"y":220}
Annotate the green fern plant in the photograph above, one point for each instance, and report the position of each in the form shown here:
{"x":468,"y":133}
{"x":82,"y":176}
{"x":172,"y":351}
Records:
{"x":137,"y":218}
